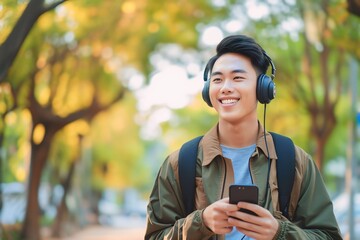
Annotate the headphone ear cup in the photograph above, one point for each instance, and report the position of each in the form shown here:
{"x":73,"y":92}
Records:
{"x":205,"y":93}
{"x":265,"y":89}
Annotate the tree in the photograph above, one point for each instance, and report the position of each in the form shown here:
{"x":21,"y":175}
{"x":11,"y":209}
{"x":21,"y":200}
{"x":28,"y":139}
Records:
{"x":324,"y":64}
{"x":11,"y":46}
{"x":309,"y":42}
{"x":43,"y":77}
{"x":57,"y":62}
{"x":45,"y":117}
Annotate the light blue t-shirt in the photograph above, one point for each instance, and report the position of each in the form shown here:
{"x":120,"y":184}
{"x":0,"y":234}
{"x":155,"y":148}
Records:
{"x":240,"y":160}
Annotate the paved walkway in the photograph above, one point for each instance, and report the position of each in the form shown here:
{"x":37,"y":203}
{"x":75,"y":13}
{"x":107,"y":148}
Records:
{"x":108,"y":233}
{"x":122,"y":228}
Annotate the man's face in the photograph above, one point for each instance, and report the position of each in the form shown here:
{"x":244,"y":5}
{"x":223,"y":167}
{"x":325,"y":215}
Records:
{"x":233,"y":88}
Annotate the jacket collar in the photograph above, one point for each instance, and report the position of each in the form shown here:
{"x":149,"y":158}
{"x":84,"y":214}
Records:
{"x":212,"y":149}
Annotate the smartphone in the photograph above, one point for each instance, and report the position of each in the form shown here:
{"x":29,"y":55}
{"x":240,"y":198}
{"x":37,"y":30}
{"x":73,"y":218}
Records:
{"x":244,"y":193}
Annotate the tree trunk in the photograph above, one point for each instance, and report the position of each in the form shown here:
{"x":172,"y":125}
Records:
{"x":62,"y":208}
{"x":354,"y":7}
{"x":39,"y":153}
{"x":1,"y":168}
{"x":320,"y":151}
{"x":320,"y":71}
{"x":94,"y":206}
{"x":323,"y":123}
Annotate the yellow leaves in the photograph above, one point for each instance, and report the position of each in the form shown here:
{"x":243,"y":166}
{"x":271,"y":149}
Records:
{"x":76,"y":12}
{"x":6,"y":100}
{"x":68,"y":145}
{"x":11,"y":118}
{"x":3,"y":107}
{"x":339,"y":13}
{"x":9,"y":13}
{"x":97,"y":48}
{"x":20,"y":173}
{"x":153,"y":27}
{"x":160,"y":16}
{"x":43,"y":96}
{"x":16,"y":150}
{"x":44,"y":22}
{"x":19,"y":162}
{"x":41,"y":62}
{"x":72,"y":95}
{"x":117,"y":120}
{"x":116,"y":144}
{"x":80,"y":127}
{"x":111,"y":177}
{"x":128,"y":7}
{"x":38,"y":134}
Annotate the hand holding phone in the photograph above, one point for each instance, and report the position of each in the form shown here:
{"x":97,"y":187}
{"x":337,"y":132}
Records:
{"x":244,"y":193}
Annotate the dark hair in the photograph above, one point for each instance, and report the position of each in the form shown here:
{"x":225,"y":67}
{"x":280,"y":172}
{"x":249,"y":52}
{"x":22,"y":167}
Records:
{"x":243,"y":45}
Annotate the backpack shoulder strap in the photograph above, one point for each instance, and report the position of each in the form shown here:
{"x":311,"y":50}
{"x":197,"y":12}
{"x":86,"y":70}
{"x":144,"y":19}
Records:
{"x":187,"y":172}
{"x":285,"y":168}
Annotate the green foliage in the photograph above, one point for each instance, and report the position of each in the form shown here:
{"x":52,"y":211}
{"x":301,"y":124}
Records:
{"x":10,"y":11}
{"x":15,"y":150}
{"x":10,"y":232}
{"x":65,"y":149}
{"x":117,"y":150}
{"x":339,"y":140}
{"x":187,"y":123}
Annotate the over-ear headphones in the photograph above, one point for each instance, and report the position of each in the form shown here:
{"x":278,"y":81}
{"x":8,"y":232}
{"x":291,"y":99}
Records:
{"x":265,"y":86}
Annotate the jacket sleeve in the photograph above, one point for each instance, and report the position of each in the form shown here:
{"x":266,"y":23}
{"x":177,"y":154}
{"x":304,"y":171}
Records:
{"x":314,"y":216}
{"x":166,"y":211}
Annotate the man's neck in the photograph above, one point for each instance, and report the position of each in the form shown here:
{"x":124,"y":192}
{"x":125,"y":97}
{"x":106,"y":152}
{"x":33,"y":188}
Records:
{"x":238,"y":135}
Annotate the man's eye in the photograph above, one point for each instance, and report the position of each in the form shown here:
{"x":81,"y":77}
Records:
{"x":238,"y":78}
{"x":216,"y":80}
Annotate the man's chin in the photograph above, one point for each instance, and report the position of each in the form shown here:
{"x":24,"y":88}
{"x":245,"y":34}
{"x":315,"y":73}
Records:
{"x":231,"y":118}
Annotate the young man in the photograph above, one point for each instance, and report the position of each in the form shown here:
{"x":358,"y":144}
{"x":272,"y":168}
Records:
{"x":235,"y":151}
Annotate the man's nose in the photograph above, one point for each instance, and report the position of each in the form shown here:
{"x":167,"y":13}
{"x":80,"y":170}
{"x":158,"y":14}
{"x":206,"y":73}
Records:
{"x":227,"y":87}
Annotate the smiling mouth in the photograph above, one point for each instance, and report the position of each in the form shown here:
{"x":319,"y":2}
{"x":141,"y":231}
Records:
{"x":229,"y":101}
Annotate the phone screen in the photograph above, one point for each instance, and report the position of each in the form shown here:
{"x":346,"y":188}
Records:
{"x":244,"y":193}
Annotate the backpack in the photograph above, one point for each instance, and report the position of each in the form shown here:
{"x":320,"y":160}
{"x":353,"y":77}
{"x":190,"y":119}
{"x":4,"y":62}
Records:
{"x":285,"y":168}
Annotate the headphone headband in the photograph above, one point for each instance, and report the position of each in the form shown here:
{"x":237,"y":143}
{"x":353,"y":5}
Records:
{"x":273,"y":69}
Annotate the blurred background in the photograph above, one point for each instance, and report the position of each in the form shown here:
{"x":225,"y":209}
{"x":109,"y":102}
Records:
{"x":95,"y":94}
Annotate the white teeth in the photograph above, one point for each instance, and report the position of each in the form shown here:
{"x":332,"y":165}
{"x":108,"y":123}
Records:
{"x":228,"y":101}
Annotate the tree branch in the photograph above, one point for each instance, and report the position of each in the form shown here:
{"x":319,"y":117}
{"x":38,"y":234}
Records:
{"x":11,"y":46}
{"x":354,"y":7}
{"x":339,"y":66}
{"x":91,"y":111}
{"x":52,"y":6}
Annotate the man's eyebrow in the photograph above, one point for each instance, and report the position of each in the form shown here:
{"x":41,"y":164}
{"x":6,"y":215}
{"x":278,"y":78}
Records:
{"x":233,"y":71}
{"x":239,"y":71}
{"x":216,"y":73}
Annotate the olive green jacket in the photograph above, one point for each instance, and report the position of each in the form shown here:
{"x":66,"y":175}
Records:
{"x":310,"y":210}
